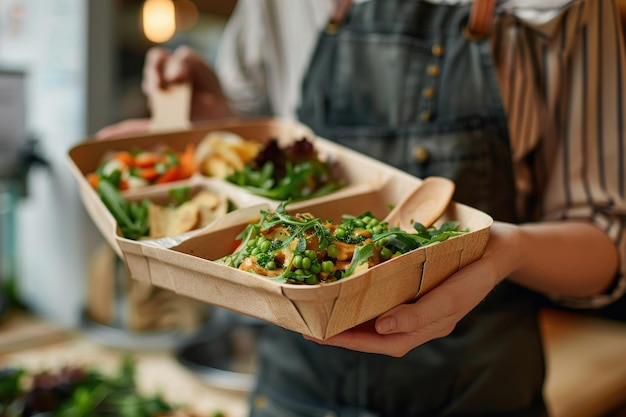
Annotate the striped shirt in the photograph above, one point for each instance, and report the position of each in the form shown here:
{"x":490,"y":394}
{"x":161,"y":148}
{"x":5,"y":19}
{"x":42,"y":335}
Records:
{"x":561,"y":65}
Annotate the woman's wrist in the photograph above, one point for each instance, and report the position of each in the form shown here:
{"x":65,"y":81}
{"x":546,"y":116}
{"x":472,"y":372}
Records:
{"x":505,"y":249}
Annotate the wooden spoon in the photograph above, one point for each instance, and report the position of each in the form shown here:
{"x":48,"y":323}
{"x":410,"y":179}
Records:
{"x":425,"y":204}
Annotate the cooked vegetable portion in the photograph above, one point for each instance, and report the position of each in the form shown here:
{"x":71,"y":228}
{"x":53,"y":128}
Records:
{"x":140,"y":168}
{"x":302,"y":249}
{"x":295,"y":172}
{"x":145,"y":219}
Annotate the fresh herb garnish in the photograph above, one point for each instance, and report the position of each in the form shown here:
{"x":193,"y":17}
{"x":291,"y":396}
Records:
{"x":302,"y":249}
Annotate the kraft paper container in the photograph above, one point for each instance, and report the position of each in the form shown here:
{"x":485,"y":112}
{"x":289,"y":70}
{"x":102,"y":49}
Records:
{"x":186,"y":263}
{"x":317,"y":310}
{"x":360,"y":173}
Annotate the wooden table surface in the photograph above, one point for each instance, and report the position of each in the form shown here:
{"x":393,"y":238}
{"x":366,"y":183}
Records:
{"x":586,"y":359}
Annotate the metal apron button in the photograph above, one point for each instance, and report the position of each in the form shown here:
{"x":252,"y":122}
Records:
{"x":433,"y":70}
{"x":260,"y":401}
{"x":428,"y":93}
{"x":426,"y":115}
{"x":421,"y":154}
{"x":437,"y":50}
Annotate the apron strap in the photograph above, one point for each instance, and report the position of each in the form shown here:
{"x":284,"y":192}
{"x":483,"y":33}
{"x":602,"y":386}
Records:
{"x":338,"y":16}
{"x":479,"y":24}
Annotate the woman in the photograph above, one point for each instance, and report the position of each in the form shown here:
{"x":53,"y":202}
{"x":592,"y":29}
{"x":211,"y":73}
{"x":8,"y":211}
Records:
{"x":527,"y":121}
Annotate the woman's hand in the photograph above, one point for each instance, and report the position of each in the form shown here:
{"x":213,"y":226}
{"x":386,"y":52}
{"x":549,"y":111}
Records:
{"x":570,"y":258}
{"x":164,"y":68}
{"x":124,"y":128}
{"x":437,"y":313}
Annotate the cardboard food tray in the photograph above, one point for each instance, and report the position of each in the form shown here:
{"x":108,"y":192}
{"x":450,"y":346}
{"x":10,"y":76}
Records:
{"x":87,"y":156}
{"x":186,"y":264}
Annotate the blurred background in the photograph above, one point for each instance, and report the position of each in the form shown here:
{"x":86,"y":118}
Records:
{"x":68,"y":68}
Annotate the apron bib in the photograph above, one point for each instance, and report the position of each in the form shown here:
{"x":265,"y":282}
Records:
{"x":400,"y":82}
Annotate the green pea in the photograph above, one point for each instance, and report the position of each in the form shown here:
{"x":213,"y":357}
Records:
{"x":328,"y":266}
{"x":255,"y":251}
{"x":271,"y":265}
{"x":251,"y":243}
{"x":265,"y":246}
{"x":340,"y":232}
{"x":377,"y":229}
{"x":359,"y":223}
{"x":373,"y":221}
{"x":332,"y":251}
{"x":306,"y":263}
{"x":385,"y":253}
{"x":311,"y":254}
{"x":316,"y":267}
{"x":366,"y":219}
{"x":297,"y":261}
{"x":312,"y":280}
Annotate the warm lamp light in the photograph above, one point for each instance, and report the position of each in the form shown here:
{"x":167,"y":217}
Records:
{"x":158,"y":19}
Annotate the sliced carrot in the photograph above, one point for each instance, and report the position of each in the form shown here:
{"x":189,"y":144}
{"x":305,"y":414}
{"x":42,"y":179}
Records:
{"x":123,"y":184}
{"x":94,"y":180}
{"x":146,"y":159}
{"x":187,"y":161}
{"x":149,"y":174}
{"x":125,"y":157}
{"x":172,"y":174}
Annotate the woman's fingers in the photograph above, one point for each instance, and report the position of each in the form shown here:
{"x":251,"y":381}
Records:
{"x":124,"y":128}
{"x":433,"y":316}
{"x":153,"y":70}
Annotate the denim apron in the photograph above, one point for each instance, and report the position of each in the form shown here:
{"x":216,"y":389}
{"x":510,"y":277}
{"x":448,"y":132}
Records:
{"x":399,"y":81}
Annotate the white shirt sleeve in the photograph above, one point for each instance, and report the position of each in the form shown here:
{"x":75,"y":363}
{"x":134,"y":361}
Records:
{"x":265,"y":51}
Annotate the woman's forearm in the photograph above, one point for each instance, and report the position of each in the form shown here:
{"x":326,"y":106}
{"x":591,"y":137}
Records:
{"x":573,"y":259}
